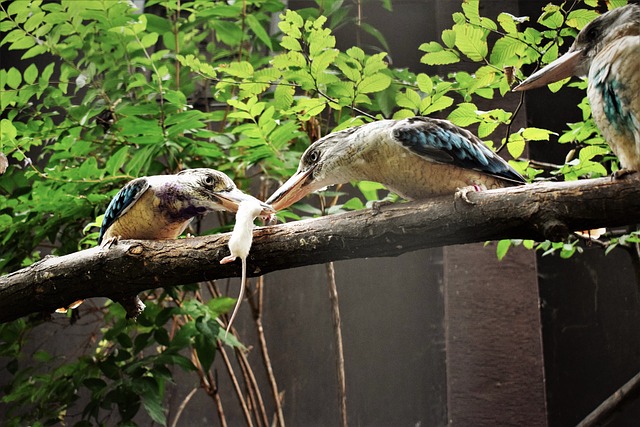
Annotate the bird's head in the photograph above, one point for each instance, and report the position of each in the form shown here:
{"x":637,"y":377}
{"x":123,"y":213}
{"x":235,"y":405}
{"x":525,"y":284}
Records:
{"x":603,"y":30}
{"x":324,"y":163}
{"x":212,"y":190}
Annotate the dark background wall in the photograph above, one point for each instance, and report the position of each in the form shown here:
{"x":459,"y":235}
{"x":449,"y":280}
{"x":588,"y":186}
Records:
{"x":441,"y":336}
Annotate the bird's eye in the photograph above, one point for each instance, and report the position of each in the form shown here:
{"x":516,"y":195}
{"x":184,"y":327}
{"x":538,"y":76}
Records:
{"x":593,"y":33}
{"x":313,"y":157}
{"x":208,"y":180}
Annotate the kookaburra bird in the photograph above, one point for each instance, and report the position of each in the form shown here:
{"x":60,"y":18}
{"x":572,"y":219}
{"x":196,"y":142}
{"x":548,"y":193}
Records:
{"x":162,"y":206}
{"x":607,"y":50}
{"x":416,"y":158}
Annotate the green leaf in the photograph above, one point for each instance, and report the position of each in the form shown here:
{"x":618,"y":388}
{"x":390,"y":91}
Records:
{"x":464,"y":115}
{"x":258,"y":29}
{"x":449,"y":38}
{"x":376,"y":35}
{"x":537,"y":134}
{"x":117,"y":160}
{"x":471,"y":42}
{"x":442,"y":57}
{"x":149,"y":40}
{"x":425,"y":84}
{"x":242,"y":69}
{"x":552,"y":17}
{"x":349,"y":67}
{"x":506,"y":21}
{"x":551,"y":54}
{"x":516,"y":145}
{"x":588,"y":153}
{"x":370,"y":189}
{"x":291,"y":43}
{"x":205,"y":349}
{"x":14,"y":78}
{"x":506,"y":51}
{"x":578,"y":18}
{"x":471,"y":10}
{"x":375,"y":83}
{"x":438,"y":104}
{"x":153,"y":405}
{"x":502,"y":248}
{"x":23,"y":43}
{"x":34,"y":51}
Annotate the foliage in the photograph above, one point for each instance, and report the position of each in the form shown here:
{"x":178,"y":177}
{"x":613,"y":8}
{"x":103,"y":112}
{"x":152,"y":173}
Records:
{"x":205,"y":84}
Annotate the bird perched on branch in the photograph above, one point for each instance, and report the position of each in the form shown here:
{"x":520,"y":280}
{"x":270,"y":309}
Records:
{"x":162,"y":206}
{"x":416,"y":158}
{"x":607,"y":50}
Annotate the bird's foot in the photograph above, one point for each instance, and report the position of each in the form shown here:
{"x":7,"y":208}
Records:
{"x":107,"y":244}
{"x":376,"y":206}
{"x":227,"y":259}
{"x":621,"y":173}
{"x":463,"y":192}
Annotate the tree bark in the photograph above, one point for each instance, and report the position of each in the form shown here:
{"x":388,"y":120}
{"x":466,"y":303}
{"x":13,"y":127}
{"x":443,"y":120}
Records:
{"x":538,"y":211}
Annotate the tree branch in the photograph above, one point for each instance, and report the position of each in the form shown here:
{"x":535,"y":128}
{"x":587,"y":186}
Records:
{"x":538,"y":211}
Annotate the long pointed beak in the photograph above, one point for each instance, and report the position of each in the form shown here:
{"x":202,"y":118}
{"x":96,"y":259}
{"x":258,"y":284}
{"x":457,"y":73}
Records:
{"x":561,"y":68}
{"x":230,"y":200}
{"x":291,"y":191}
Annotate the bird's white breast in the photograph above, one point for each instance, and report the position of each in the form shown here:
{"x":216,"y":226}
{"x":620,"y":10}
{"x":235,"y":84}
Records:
{"x":615,"y":71}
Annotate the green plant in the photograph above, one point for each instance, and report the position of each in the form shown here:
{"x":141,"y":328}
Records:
{"x":203,"y":83}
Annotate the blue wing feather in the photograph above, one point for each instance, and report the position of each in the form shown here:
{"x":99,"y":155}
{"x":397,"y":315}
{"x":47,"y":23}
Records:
{"x":441,"y":141}
{"x":122,"y":202}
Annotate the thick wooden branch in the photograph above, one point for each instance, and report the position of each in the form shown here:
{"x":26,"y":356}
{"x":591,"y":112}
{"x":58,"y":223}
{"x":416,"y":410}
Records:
{"x":538,"y":211}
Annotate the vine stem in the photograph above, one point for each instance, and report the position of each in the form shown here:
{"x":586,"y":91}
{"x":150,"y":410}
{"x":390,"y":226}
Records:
{"x":183,"y":405}
{"x":615,"y":401}
{"x":265,"y":354}
{"x":236,"y":384}
{"x":337,"y":328}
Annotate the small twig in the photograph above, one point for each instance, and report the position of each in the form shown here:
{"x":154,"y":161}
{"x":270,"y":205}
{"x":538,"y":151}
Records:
{"x":219,"y":407}
{"x":337,"y":327}
{"x":247,"y":372}
{"x":265,"y":353}
{"x":613,"y":402}
{"x":236,"y":384}
{"x":634,"y":254}
{"x":513,"y":116}
{"x":591,"y":240}
{"x":253,"y":387}
{"x":543,"y":165}
{"x":183,"y":405}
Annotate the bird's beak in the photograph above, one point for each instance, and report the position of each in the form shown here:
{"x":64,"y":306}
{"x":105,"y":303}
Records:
{"x":293,"y":190}
{"x":230,"y":200}
{"x":561,"y":68}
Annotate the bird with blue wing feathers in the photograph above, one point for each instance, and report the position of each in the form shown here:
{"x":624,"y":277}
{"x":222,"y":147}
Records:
{"x":162,"y":206}
{"x":607,"y":50}
{"x":416,"y":158}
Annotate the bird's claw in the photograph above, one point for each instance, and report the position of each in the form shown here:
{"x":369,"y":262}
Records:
{"x":376,"y":206}
{"x":108,"y":243}
{"x":621,"y":173}
{"x":463,"y":192}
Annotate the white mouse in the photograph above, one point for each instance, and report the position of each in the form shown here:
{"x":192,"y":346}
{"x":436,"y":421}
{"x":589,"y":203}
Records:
{"x":240,"y":244}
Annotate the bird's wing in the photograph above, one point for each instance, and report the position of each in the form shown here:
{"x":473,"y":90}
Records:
{"x":122,"y":202}
{"x":442,"y":142}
